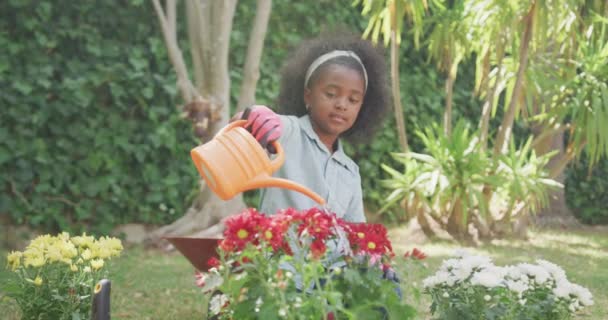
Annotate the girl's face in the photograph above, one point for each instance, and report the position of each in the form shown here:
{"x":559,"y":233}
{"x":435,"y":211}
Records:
{"x":334,"y":101}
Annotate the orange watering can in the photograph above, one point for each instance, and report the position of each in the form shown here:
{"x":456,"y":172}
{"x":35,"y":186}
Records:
{"x":234,"y":161}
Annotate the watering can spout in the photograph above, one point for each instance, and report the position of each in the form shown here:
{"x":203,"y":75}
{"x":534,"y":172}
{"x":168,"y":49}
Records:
{"x":269,"y":182}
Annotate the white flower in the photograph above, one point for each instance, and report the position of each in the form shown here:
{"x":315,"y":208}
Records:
{"x":539,"y":274}
{"x":488,"y":278}
{"x":583,"y":294}
{"x":517,"y":286}
{"x":446,"y":295}
{"x":556,"y":272}
{"x":217,"y":302}
{"x":487,"y":297}
{"x":473,"y":262}
{"x":562,"y":289}
{"x":283,"y":312}
{"x":441,"y":277}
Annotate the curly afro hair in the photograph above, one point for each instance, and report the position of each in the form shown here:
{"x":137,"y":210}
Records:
{"x":376,"y":102}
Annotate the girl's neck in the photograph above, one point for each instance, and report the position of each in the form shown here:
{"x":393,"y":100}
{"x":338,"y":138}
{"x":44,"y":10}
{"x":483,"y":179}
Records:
{"x":330,"y":141}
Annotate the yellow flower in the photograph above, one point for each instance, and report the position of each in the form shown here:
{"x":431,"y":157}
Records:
{"x":37,"y":281}
{"x":73,"y":267}
{"x":64,"y":236}
{"x":33,"y":258}
{"x":97,"y":264}
{"x":53,"y":253}
{"x":86,"y":254}
{"x":83,"y":241}
{"x":68,"y":250}
{"x":108,"y":247}
{"x":14,"y":259}
{"x":87,"y":269}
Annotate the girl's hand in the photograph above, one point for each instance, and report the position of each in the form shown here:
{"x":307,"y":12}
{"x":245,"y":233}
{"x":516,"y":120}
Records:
{"x":264,"y":125}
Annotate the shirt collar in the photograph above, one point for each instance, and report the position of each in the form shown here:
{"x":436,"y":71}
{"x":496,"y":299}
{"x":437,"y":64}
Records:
{"x":339,"y":155}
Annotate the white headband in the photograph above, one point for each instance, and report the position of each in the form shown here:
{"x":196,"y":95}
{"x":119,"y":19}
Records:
{"x":330,"y":55}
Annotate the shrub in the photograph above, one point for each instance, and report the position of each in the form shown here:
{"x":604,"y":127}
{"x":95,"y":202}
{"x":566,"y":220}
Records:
{"x":587,"y":191}
{"x":472,"y":287}
{"x":55,"y":277}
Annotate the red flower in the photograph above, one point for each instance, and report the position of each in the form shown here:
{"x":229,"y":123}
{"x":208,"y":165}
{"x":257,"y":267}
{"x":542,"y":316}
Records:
{"x":318,"y":248}
{"x":369,"y":238}
{"x":317,"y":224}
{"x":213,"y":262}
{"x":415,"y":254}
{"x":242,"y":229}
{"x":273,"y":230}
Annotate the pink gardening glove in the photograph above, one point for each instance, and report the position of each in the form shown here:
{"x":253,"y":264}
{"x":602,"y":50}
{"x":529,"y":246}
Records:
{"x":264,"y":125}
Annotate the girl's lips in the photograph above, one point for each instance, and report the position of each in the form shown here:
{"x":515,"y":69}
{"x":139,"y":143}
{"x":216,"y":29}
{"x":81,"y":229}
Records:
{"x":337,"y":118}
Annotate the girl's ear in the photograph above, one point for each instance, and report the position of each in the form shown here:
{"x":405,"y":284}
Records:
{"x":307,"y":94}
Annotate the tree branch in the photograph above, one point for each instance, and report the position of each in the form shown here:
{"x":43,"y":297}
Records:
{"x":251,"y":70}
{"x":175,"y":54}
{"x":195,"y":36}
{"x":506,"y":127}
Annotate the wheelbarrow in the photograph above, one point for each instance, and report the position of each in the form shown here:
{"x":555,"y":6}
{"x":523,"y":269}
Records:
{"x":197,"y":250}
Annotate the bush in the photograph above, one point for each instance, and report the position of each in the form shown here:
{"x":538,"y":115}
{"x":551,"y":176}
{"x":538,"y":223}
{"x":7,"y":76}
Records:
{"x":472,"y":287}
{"x":89,"y":133}
{"x":55,"y":276}
{"x":587,"y":191}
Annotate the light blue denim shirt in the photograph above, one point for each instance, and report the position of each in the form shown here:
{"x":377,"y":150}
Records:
{"x":335,"y":177}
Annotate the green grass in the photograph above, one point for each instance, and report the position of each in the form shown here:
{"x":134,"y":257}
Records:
{"x":155,"y":285}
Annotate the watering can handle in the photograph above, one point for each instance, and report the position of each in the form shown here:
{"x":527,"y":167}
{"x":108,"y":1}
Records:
{"x":231,"y":125}
{"x":277,"y":162}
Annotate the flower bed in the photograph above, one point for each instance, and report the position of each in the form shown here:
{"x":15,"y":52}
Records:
{"x":303,"y":265}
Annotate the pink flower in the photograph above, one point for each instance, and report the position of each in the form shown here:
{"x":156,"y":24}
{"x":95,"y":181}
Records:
{"x":200,"y":278}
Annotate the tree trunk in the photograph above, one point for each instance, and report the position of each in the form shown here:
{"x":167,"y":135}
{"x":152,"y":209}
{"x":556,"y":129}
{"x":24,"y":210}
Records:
{"x":203,"y":219}
{"x":506,"y":127}
{"x":251,"y":71}
{"x":457,"y":226}
{"x":491,"y":91}
{"x":447,"y":113}
{"x":395,"y":82}
{"x":556,"y":212}
{"x":209,"y":27}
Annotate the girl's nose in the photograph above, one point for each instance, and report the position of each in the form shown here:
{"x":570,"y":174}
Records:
{"x":340,"y":103}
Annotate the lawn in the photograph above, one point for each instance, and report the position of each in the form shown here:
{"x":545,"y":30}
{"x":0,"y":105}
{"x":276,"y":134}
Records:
{"x":150,"y":284}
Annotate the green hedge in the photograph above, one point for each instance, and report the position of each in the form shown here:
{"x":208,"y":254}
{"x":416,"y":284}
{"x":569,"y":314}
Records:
{"x":89,"y":133}
{"x":587,"y":191}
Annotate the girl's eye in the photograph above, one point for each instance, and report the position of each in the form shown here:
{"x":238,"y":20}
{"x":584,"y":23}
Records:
{"x":330,"y":94}
{"x":354,"y":101}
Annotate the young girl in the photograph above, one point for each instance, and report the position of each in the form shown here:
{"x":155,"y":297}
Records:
{"x":332,"y":89}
